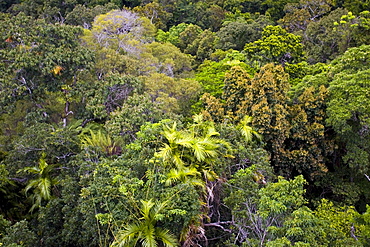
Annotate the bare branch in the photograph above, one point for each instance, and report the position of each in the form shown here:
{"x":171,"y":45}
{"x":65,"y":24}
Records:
{"x":219,"y":225}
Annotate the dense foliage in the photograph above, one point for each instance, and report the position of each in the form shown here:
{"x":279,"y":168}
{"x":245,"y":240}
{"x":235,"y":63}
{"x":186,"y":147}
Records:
{"x":184,"y":123}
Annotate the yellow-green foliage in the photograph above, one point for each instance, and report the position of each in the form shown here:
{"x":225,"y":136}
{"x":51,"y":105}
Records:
{"x":339,"y":218}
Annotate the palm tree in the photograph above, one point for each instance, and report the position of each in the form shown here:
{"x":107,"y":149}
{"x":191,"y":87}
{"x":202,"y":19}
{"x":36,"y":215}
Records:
{"x":42,"y":184}
{"x":198,"y":147}
{"x":145,"y":231}
{"x":247,"y":131}
{"x":191,"y":154}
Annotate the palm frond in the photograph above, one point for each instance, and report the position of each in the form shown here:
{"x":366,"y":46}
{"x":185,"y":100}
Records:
{"x":211,"y":131}
{"x":36,"y":202}
{"x":42,"y":184}
{"x":75,"y":124}
{"x":246,"y":120}
{"x":165,"y":153}
{"x":145,"y":209}
{"x":185,"y":140}
{"x":221,"y":142}
{"x":177,"y":160}
{"x":210,"y":175}
{"x":205,"y":150}
{"x":44,"y":187}
{"x":199,"y":151}
{"x":170,"y":132}
{"x":42,"y":162}
{"x":148,"y":237}
{"x":198,"y":118}
{"x":128,"y":235}
{"x":145,"y":230}
{"x":186,"y":175}
{"x":34,"y":170}
{"x":31,"y":184}
{"x":247,"y":131}
{"x":167,"y":239}
{"x":99,"y":139}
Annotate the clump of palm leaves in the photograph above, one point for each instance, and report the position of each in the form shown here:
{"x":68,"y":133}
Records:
{"x":191,"y":152}
{"x":101,"y":140}
{"x":145,"y":230}
{"x":41,"y":184}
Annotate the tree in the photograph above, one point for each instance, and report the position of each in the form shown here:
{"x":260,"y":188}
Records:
{"x":19,"y":235}
{"x":275,"y":8}
{"x":347,"y":113}
{"x":126,"y":121}
{"x":172,"y":35}
{"x":203,"y":46}
{"x":55,"y":11}
{"x":102,"y":97}
{"x":192,"y":155}
{"x":264,"y":98}
{"x":276,"y":214}
{"x":113,"y":186}
{"x":276,"y":45}
{"x":188,"y":36}
{"x":211,"y":74}
{"x":265,"y":207}
{"x":355,"y":6}
{"x":364,"y":221}
{"x":342,"y":220}
{"x":171,"y":95}
{"x":83,"y":16}
{"x":122,"y":29}
{"x":167,"y":59}
{"x":355,"y":30}
{"x":235,"y":34}
{"x":212,"y":17}
{"x":155,"y":12}
{"x":237,"y":82}
{"x":321,"y":42}
{"x":308,"y":147}
{"x":40,"y":59}
{"x":269,"y":108}
{"x":299,"y":15}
